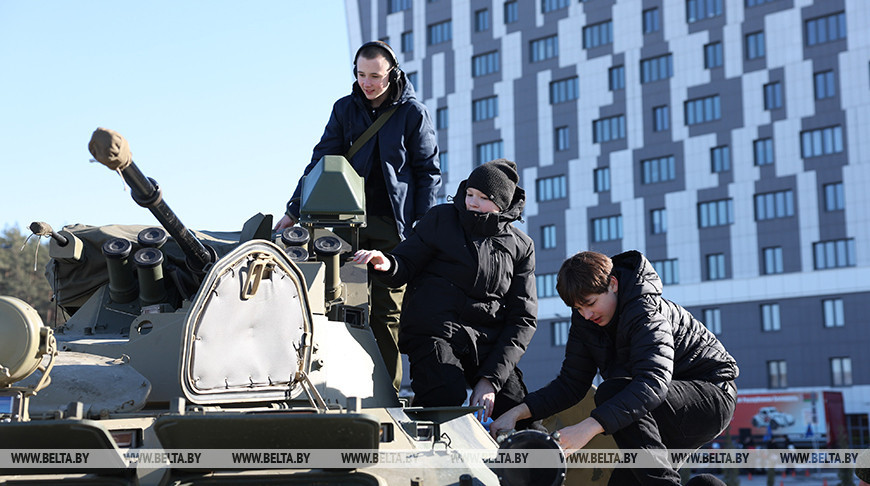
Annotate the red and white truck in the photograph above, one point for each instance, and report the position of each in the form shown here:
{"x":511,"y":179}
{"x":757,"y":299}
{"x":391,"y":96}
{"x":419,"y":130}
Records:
{"x":807,"y":418}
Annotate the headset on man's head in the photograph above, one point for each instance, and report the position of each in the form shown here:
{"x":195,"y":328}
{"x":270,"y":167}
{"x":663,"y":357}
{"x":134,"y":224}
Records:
{"x":390,"y":55}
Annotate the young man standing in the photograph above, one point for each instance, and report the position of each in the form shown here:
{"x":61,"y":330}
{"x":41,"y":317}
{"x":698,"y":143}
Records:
{"x":668,"y":381}
{"x":400,"y":166}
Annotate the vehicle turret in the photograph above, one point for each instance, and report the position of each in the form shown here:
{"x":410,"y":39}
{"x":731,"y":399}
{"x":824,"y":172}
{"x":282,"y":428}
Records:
{"x":183,"y":340}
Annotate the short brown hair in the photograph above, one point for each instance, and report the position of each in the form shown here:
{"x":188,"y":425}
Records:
{"x":373,"y":49}
{"x":582,"y":275}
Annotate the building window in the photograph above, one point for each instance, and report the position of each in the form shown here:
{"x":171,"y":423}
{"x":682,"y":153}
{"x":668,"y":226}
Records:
{"x":441,"y":118}
{"x":668,"y":270}
{"x":550,"y":188}
{"x":597,"y":35}
{"x":564,"y":90}
{"x":412,"y":78}
{"x":542,"y":49}
{"x":858,"y":430}
{"x":551,"y":5}
{"x":656,"y":68}
{"x":825,"y":85}
{"x":651,"y":21}
{"x":484,"y":108}
{"x":602,"y":179}
{"x":715,"y":213}
{"x":702,"y":110}
{"x":481,"y":20}
{"x":617,"y":78}
{"x":772,"y":260}
{"x":560,"y":332}
{"x":607,"y":229}
{"x":841,"y":371}
{"x":774,"y":205}
{"x":702,"y":9}
{"x":826,"y":29}
{"x":511,"y":12}
{"x":713,"y":320}
{"x":763,"y":151}
{"x":777,"y":376}
{"x":658,"y":221}
{"x":720,"y":159}
{"x":713,"y":55}
{"x":443,"y":161}
{"x":833,"y":312}
{"x":834,"y":254}
{"x":834,"y":198}
{"x":755,"y":45}
{"x":608,"y":129}
{"x":546,"y":284}
{"x":770,"y":317}
{"x":548,"y":236}
{"x":753,"y":3}
{"x":661,"y":118}
{"x":822,"y":141}
{"x":408,"y":41}
{"x":440,"y":32}
{"x":716,"y":266}
{"x":773,"y":96}
{"x":489,"y":151}
{"x":398,"y":5}
{"x":658,"y":170}
{"x":563,"y":139}
{"x":484,"y":64}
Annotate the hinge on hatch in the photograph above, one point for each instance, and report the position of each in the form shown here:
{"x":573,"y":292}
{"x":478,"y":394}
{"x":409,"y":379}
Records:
{"x":261,"y":266}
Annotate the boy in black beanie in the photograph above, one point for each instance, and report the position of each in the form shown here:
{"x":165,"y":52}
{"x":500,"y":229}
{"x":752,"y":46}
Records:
{"x":496,"y":179}
{"x":469,"y":310}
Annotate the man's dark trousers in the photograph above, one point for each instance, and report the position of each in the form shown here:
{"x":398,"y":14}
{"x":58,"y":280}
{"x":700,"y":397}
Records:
{"x":385,"y":302}
{"x":693,"y":413}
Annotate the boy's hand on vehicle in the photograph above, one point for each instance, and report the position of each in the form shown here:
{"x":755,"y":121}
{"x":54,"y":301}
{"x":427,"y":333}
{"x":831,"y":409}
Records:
{"x":508,"y":420}
{"x":576,"y":436}
{"x":505,"y":423}
{"x":375,"y":257}
{"x":285,"y":222}
{"x":483,"y":395}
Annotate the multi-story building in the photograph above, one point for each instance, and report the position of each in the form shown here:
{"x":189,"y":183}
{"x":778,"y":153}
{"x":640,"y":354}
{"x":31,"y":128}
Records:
{"x":729,"y":140}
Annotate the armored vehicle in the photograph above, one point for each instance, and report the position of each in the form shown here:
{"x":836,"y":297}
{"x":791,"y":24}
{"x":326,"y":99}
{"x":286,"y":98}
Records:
{"x":193,"y":357}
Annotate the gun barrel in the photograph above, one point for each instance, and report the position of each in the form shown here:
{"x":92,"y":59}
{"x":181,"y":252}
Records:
{"x":147,"y":194}
{"x":112,"y":150}
{"x":40,"y":228}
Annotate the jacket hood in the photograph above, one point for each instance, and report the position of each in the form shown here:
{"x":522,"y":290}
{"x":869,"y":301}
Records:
{"x":488,"y":224}
{"x":636,"y":276}
{"x":401,"y":92}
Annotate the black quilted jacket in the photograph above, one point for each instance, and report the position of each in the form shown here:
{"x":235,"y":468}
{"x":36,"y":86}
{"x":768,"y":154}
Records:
{"x":472,"y":273}
{"x":654,"y":341}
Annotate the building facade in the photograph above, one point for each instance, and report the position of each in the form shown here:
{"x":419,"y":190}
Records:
{"x":728,"y":140}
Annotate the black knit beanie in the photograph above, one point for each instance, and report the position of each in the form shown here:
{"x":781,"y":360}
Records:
{"x":497,"y":179}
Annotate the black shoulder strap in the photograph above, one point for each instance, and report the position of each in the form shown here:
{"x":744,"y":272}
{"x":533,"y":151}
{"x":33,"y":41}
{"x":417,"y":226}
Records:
{"x":370,"y":131}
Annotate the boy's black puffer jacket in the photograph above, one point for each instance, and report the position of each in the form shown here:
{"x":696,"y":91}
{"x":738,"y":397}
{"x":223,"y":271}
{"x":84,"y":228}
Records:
{"x":654,"y":341}
{"x":469,"y":270}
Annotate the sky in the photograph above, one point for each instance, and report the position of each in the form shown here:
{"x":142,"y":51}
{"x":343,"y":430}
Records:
{"x":221,"y":102}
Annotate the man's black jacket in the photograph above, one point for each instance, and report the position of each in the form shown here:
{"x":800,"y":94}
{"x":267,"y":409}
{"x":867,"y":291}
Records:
{"x":654,"y":341}
{"x":469,"y":271}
